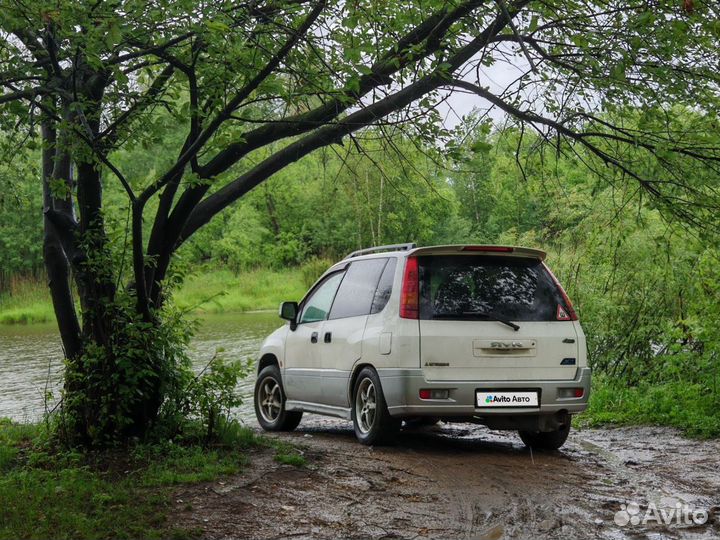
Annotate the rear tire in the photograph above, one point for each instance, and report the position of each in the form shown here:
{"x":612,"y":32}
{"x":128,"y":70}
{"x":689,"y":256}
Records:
{"x":371,"y":419}
{"x":546,"y":440}
{"x":269,"y":398}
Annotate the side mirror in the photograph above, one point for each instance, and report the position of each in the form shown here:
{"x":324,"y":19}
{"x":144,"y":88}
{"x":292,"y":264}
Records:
{"x":289,"y":312}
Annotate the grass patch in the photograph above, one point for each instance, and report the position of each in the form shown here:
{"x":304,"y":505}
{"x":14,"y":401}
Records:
{"x":220,"y":291}
{"x":297,"y":460}
{"x":26,"y":301}
{"x":692,"y":408}
{"x":29,"y":314}
{"x":286,"y":453}
{"x":169,"y":465}
{"x":206,"y":291}
{"x":122,"y":493}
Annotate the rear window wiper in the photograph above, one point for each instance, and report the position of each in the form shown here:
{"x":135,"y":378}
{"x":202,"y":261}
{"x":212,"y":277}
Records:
{"x":480,"y":314}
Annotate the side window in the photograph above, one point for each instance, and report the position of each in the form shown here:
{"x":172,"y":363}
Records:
{"x":384,"y":288}
{"x":316,"y":307}
{"x":357,"y":290}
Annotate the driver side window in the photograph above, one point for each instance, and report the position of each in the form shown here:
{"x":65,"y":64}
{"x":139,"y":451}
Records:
{"x":318,"y":304}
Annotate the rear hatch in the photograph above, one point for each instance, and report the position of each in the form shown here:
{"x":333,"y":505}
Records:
{"x":490,"y":315}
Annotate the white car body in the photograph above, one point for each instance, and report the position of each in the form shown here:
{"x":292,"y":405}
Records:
{"x":428,"y":367}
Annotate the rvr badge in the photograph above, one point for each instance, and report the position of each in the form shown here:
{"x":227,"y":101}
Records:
{"x":506,"y":345}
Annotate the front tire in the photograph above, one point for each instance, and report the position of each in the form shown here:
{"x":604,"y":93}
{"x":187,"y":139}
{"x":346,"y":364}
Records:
{"x":546,"y":440}
{"x":269,"y":398}
{"x":371,"y":419}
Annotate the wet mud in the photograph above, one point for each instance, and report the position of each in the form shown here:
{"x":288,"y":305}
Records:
{"x":465,"y":481}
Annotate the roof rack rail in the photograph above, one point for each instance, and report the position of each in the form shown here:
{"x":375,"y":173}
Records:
{"x":378,"y":249}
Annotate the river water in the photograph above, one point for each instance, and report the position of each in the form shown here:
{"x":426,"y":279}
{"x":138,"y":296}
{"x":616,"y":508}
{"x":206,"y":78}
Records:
{"x":31,"y":359}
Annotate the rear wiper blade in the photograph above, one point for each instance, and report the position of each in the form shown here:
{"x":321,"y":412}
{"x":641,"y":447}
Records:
{"x":492,"y":317}
{"x":484,"y":314}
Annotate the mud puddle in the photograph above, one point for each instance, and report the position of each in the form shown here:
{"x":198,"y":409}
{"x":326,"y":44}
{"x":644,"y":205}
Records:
{"x":464,"y":481}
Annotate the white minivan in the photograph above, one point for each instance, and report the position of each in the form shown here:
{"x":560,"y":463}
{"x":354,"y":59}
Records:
{"x":461,"y":333}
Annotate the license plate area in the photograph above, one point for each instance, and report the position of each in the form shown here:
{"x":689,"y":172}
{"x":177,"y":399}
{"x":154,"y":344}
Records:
{"x":488,"y":398}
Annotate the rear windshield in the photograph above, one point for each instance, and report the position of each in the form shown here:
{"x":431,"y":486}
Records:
{"x":473,"y":287}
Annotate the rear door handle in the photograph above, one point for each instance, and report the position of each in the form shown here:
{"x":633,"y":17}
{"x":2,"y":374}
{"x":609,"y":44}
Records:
{"x":313,"y":337}
{"x":328,"y":337}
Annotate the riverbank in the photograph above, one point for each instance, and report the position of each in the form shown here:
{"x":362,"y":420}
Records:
{"x":124,"y":493}
{"x":205,"y":291}
{"x":448,"y":480}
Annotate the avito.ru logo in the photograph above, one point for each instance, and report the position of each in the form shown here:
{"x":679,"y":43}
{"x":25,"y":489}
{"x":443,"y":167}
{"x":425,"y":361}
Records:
{"x":680,"y":514}
{"x":519,"y":400}
{"x":498,"y":399}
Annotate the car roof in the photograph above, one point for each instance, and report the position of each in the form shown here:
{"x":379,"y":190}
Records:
{"x":406,"y":250}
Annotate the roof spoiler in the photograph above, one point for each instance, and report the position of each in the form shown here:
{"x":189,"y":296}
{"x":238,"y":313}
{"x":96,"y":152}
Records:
{"x":511,"y":251}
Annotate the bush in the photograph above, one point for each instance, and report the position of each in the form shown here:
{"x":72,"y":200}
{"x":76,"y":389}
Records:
{"x":313,"y":269}
{"x":141,"y":384}
{"x":288,"y":250}
{"x":212,"y":394}
{"x":115,"y":390}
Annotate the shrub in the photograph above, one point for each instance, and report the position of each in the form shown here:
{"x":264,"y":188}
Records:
{"x":313,"y":269}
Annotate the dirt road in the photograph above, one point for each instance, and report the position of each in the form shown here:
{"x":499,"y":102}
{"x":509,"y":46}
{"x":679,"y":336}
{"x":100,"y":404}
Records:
{"x":463,"y":481}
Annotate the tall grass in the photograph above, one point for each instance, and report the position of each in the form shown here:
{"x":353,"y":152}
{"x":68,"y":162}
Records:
{"x":25,"y":300}
{"x":220,"y":291}
{"x":209,"y":290}
{"x":692,"y":408}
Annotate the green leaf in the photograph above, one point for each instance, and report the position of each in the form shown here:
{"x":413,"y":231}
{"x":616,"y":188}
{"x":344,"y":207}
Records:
{"x":114,"y":34}
{"x":217,"y":26}
{"x":481,"y":147}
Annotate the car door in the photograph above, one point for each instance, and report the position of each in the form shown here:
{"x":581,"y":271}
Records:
{"x":303,"y":365}
{"x":342,"y":333}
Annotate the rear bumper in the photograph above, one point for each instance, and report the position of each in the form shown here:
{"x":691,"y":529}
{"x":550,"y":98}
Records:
{"x":401,"y":388}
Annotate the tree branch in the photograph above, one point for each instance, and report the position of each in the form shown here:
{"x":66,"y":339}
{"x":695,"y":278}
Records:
{"x":430,"y":33}
{"x":20,"y":94}
{"x":582,"y":138}
{"x":223,"y":115}
{"x":334,"y":133}
{"x":144,"y":101}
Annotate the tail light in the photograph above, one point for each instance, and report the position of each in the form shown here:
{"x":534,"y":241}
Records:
{"x":435,"y":393}
{"x":410,"y":293}
{"x":570,"y":392}
{"x":566,"y":312}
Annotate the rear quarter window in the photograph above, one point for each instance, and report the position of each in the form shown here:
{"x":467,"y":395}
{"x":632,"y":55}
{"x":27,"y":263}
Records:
{"x":466,"y":287}
{"x":357,"y":290}
{"x":384,"y":288}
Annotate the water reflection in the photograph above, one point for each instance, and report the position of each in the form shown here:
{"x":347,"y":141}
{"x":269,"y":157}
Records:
{"x":31,"y":359}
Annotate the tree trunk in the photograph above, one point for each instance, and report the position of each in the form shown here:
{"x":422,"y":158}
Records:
{"x":56,"y":260}
{"x":271,"y":212}
{"x":115,"y":368}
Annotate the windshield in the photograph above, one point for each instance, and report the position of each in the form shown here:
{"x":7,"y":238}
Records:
{"x":475,"y":287}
